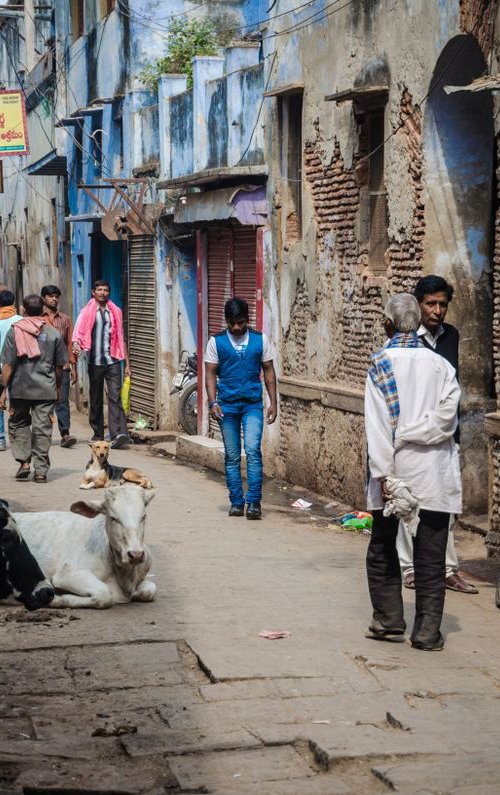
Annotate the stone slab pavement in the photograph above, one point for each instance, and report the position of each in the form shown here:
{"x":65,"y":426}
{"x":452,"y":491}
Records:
{"x":182,"y":695}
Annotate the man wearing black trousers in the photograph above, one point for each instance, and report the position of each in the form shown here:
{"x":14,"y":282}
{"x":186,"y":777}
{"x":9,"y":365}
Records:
{"x":411,"y":405}
{"x":434,"y":295}
{"x":99,"y":332}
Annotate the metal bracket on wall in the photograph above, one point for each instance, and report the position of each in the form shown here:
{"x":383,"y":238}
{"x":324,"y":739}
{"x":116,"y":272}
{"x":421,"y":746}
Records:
{"x":118,"y":223}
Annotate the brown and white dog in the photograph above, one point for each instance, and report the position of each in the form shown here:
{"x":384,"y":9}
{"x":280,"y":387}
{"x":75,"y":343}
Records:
{"x":99,"y":473}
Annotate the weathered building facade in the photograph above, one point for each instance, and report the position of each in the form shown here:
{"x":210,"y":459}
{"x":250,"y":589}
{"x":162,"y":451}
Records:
{"x":378,"y":176}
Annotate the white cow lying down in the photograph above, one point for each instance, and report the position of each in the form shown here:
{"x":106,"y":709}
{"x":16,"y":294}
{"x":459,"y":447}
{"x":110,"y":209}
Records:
{"x":99,"y":558}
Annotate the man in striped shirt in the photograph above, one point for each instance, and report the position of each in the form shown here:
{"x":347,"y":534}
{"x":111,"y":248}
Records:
{"x":99,"y":331}
{"x":51,"y":295}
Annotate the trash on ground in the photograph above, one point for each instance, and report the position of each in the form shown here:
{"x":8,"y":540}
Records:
{"x":303,"y":505}
{"x":356,"y":520}
{"x":321,"y":721}
{"x":141,"y":424}
{"x":270,"y":634}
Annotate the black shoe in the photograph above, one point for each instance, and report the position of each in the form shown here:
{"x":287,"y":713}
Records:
{"x":254,"y":511}
{"x":96,"y":438}
{"x":119,"y":441}
{"x":237,"y":510}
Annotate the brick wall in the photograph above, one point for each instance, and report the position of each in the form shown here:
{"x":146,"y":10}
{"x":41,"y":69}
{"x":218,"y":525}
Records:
{"x":321,"y":447}
{"x":478,"y":17}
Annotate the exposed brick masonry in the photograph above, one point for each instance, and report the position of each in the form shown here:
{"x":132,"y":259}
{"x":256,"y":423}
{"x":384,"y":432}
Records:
{"x":478,"y":17}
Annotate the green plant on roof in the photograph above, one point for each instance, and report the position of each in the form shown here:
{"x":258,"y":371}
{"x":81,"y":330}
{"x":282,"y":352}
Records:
{"x":186,"y":38}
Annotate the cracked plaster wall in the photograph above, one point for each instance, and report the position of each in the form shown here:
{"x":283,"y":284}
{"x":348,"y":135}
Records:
{"x":330,"y":304}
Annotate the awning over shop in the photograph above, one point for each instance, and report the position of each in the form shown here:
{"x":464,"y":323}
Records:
{"x":246,"y":203}
{"x":51,"y":165}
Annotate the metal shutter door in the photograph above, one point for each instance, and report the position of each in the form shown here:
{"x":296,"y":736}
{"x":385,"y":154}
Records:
{"x":142,"y":327}
{"x":245,"y":268}
{"x":219,"y":256}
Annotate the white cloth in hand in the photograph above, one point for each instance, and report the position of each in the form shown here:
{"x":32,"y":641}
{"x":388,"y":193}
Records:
{"x":402,"y":503}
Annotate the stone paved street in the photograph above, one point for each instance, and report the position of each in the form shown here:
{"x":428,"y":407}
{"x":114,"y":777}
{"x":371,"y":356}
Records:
{"x":194,"y":701}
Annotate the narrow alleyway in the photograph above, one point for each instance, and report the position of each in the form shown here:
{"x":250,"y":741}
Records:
{"x":192,"y":698}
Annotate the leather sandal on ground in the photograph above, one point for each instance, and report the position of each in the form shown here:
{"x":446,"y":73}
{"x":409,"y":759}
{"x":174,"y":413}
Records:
{"x":455,"y":582}
{"x":22,"y":473}
{"x":376,"y":631}
{"x":37,"y":478}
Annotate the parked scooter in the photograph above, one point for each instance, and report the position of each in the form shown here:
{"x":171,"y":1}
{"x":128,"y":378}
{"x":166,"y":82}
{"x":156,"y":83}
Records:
{"x":186,"y":382}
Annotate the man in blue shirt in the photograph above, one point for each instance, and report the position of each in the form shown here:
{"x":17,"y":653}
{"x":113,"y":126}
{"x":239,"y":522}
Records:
{"x":234,"y":361}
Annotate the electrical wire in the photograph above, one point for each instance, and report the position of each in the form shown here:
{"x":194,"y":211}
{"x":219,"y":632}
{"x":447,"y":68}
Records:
{"x":157,"y":26}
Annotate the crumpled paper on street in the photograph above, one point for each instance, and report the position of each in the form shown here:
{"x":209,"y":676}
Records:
{"x":270,"y":634}
{"x":402,"y":503}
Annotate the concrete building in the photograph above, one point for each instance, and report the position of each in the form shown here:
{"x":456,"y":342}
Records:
{"x":33,"y":234}
{"x":376,"y":177}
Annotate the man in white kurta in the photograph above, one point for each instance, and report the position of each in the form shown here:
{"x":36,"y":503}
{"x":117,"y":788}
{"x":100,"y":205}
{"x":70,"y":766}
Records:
{"x":411,"y":405}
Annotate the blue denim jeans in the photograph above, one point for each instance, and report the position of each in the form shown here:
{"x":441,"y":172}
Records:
{"x":250,"y":417}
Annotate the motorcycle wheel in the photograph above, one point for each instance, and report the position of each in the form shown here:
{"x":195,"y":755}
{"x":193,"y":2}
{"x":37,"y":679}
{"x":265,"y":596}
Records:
{"x":188,"y":410}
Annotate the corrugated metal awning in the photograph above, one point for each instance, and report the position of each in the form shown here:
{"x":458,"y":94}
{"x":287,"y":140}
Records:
{"x":246,"y":203}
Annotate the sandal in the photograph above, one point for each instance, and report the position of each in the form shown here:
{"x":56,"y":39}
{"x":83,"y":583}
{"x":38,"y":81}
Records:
{"x":22,"y":473}
{"x":40,"y":478}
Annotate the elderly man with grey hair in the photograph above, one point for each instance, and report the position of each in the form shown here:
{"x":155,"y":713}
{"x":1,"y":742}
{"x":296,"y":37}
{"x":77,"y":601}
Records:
{"x":411,"y":404}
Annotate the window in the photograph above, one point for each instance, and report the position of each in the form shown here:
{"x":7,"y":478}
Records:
{"x":105,"y":7}
{"x":378,"y":237}
{"x":96,"y":144}
{"x":55,"y":240}
{"x":118,"y":139}
{"x":77,"y":137}
{"x":290,"y":121}
{"x":77,"y":19}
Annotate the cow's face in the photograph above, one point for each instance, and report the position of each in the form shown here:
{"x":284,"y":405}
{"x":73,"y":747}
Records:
{"x":125,"y":510}
{"x":20,"y":574}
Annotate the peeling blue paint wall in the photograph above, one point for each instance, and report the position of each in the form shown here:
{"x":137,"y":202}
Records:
{"x":181,"y":134}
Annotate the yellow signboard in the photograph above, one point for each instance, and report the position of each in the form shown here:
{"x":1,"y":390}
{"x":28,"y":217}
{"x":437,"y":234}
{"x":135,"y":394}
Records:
{"x":13,"y":128}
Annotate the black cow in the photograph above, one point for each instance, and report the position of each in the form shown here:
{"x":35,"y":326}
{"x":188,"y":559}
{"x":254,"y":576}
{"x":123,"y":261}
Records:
{"x":21,"y":579}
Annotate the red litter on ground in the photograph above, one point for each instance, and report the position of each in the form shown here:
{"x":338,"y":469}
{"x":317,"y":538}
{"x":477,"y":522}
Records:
{"x":270,"y":634}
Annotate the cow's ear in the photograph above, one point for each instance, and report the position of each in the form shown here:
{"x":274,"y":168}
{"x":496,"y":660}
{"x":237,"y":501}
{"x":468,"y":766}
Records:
{"x":88,"y":508}
{"x":148,"y":495}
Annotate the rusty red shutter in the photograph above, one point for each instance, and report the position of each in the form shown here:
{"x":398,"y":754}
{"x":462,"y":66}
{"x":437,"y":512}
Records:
{"x":245,"y":265}
{"x":219,"y":252}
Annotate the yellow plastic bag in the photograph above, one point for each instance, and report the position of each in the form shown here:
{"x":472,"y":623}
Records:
{"x":125,"y":394}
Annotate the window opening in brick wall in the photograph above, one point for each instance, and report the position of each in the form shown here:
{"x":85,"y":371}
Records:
{"x":77,"y":20}
{"x":378,"y":236}
{"x":290,"y":124}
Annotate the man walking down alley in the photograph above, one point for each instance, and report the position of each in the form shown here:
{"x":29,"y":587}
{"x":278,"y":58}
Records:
{"x":33,"y":357}
{"x":99,"y":333}
{"x":434,"y":295}
{"x":411,"y":406}
{"x":237,"y":357}
{"x":51,"y":295}
{"x":8,"y":316}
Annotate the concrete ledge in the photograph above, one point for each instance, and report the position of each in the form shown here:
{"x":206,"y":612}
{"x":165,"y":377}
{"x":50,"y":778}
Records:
{"x":152,"y":437}
{"x":335,"y":396}
{"x":204,"y":452}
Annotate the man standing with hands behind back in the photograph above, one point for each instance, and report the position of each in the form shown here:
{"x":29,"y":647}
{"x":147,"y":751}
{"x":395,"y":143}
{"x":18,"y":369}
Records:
{"x":237,"y":356}
{"x":434,"y":295}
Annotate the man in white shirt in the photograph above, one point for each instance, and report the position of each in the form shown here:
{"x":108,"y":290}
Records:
{"x":434,"y":295}
{"x":411,"y":405}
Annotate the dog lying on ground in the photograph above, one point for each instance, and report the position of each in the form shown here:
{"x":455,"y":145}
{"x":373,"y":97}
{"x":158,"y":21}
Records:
{"x":100,"y":474}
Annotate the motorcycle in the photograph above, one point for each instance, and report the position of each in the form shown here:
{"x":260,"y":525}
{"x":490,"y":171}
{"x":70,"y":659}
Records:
{"x":185,"y":382}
